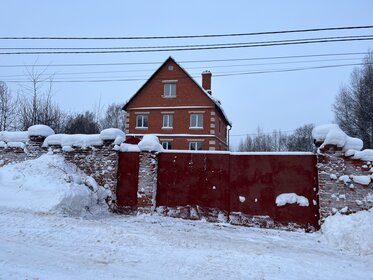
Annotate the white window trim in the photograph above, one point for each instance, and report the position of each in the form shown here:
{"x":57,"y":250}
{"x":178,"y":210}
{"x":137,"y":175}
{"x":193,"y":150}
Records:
{"x":197,"y":120}
{"x":195,"y":142}
{"x":163,"y":122}
{"x":164,"y":89}
{"x":142,"y":127}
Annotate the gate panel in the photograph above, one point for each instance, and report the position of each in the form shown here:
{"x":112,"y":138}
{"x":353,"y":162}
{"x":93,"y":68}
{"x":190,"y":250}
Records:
{"x":256,"y":181}
{"x":193,"y":179}
{"x":128,"y":176}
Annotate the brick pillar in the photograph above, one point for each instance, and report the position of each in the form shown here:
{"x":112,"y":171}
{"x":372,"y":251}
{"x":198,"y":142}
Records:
{"x":147,"y":186}
{"x":34,"y":146}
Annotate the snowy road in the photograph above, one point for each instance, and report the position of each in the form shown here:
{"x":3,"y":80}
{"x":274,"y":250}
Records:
{"x":46,"y":246}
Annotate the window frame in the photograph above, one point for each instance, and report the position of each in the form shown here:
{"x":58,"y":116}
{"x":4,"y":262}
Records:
{"x":169,"y":120}
{"x":196,"y":143}
{"x":168,"y":91}
{"x":198,"y":118}
{"x":168,"y":145}
{"x":144,"y":121}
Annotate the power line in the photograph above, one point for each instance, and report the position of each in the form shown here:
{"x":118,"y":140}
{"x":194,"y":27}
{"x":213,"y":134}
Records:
{"x":188,"y":36}
{"x":234,"y":46}
{"x":199,"y":67}
{"x":188,"y":46}
{"x":217,"y":75}
{"x":184,"y":62}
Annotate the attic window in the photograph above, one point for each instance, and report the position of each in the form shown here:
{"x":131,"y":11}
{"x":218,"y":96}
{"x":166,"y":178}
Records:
{"x":169,"y":89}
{"x":170,"y":67}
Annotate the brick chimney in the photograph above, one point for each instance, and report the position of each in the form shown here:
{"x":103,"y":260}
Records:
{"x":206,"y":81}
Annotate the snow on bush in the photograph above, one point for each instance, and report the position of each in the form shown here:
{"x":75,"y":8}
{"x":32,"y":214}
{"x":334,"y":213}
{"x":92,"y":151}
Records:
{"x":150,"y":143}
{"x":351,"y":232}
{"x":49,"y":184}
{"x":291,"y":198}
{"x":40,"y":130}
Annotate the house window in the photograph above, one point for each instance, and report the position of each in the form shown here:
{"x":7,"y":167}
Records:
{"x":196,"y":121}
{"x":195,"y":146}
{"x":142,"y":121}
{"x":169,"y":89}
{"x":167,"y":145}
{"x":168,"y":120}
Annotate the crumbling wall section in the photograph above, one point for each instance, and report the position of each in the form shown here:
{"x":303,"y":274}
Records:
{"x":339,"y":190}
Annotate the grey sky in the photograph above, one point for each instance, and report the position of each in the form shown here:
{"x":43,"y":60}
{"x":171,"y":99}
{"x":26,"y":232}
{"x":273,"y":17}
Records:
{"x":273,"y":101}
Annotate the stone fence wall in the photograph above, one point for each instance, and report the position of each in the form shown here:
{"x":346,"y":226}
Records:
{"x":343,"y":183}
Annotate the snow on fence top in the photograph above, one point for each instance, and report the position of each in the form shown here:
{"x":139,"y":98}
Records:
{"x":13,"y":136}
{"x":150,"y":143}
{"x":18,"y":139}
{"x":40,"y":130}
{"x":85,"y":140}
{"x":331,"y":134}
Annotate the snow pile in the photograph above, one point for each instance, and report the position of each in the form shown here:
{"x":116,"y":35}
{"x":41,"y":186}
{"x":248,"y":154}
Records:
{"x":40,"y":130}
{"x":291,"y":198}
{"x":150,"y":143}
{"x":331,"y":134}
{"x":353,"y":232}
{"x":49,"y":184}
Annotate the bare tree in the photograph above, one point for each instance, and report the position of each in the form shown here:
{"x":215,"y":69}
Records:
{"x":36,"y":104}
{"x":114,"y":117}
{"x":301,"y":139}
{"x":353,"y":106}
{"x":7,"y":108}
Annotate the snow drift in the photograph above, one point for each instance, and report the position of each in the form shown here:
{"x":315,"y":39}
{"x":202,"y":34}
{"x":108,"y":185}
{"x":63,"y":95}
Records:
{"x":49,"y":184}
{"x":350,"y":232}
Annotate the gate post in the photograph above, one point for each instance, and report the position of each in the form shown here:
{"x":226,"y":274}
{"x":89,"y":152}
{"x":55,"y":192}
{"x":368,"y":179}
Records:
{"x":147,"y":186}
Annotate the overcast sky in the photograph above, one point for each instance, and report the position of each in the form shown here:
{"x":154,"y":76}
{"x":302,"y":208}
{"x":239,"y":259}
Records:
{"x":279,"y":100}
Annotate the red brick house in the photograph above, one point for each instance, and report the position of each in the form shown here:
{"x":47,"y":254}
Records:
{"x":173,"y":106}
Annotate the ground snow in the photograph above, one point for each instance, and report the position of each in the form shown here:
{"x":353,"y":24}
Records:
{"x":352,"y":232}
{"x":291,"y":198}
{"x":48,"y":184}
{"x":102,"y":245}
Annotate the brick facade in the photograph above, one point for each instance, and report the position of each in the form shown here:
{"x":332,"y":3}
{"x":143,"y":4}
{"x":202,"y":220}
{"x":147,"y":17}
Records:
{"x":189,"y":99}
